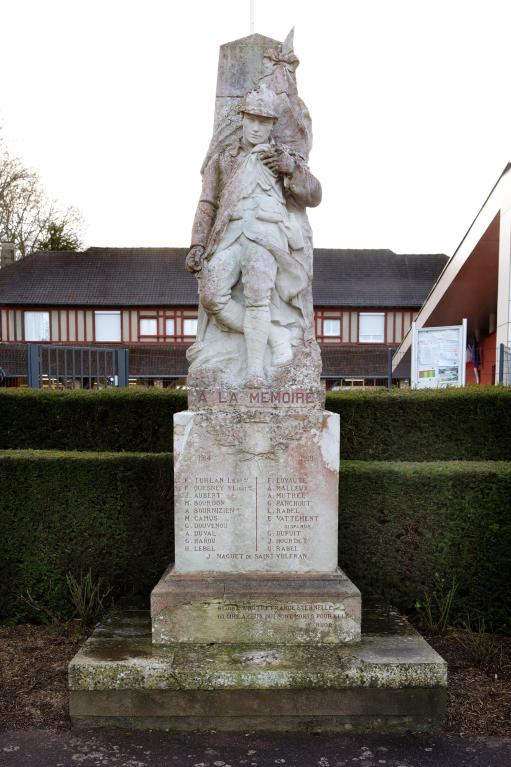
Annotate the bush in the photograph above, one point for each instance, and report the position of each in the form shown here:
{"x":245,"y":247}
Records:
{"x":64,"y":513}
{"x":404,"y":529}
{"x":470,"y":424}
{"x":407,"y":528}
{"x":136,"y":420}
{"x":401,"y":425}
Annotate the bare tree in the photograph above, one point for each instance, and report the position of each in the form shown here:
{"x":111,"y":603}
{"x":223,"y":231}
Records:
{"x":27,"y":217}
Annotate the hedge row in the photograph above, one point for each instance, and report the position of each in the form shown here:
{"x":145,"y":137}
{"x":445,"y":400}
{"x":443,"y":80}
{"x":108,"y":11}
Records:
{"x":404,"y":528}
{"x":133,"y":420}
{"x":469,"y":424}
{"x":68,"y":512}
{"x":407,"y":529}
{"x":452,"y":424}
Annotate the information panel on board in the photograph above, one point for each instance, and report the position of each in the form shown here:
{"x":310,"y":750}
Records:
{"x":439,"y":356}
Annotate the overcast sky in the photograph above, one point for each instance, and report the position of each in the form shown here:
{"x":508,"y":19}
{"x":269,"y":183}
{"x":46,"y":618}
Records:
{"x":111,"y":101}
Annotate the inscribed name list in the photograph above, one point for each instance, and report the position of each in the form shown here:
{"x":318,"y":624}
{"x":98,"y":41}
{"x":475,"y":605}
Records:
{"x":255,"y":496}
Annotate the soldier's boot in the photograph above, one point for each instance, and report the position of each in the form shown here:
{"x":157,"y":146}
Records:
{"x":232,"y":316}
{"x":256,"y":327}
{"x":280,"y":343}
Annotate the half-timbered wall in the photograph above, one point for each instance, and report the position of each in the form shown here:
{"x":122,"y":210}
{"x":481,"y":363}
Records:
{"x":396,"y":324}
{"x":74,"y":325}
{"x":172,"y":325}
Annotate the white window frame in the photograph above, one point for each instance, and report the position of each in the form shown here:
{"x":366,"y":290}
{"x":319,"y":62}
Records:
{"x":44,"y":334}
{"x":371,"y":338}
{"x":145,"y":333}
{"x":189,"y":319}
{"x":327,"y":334}
{"x":173,"y":321}
{"x":102,"y":337}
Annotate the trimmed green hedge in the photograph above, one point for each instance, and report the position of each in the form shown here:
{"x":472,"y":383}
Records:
{"x":453,"y":424}
{"x":133,"y":420}
{"x":470,"y":424}
{"x":400,"y":524}
{"x":405,"y":528}
{"x":63,"y":512}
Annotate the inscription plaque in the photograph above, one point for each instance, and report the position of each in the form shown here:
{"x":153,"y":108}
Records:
{"x":257,"y":607}
{"x":198,"y":399}
{"x":248,"y":509}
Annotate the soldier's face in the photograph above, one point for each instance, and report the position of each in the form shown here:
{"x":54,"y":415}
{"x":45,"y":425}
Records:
{"x":257,"y":129}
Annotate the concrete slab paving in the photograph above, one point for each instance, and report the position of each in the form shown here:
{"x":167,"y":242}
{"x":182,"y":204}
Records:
{"x":123,"y":748}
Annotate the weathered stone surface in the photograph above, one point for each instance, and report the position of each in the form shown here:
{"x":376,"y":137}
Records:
{"x":251,"y":243}
{"x":395,"y":657}
{"x":256,"y":490}
{"x":392,"y":679}
{"x":241,"y":65}
{"x":255,"y":627}
{"x":241,"y":398}
{"x":313,"y":711}
{"x":255,"y":608}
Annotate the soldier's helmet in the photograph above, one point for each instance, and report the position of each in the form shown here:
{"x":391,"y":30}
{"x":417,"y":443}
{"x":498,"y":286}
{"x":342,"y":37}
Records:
{"x":261,"y":102}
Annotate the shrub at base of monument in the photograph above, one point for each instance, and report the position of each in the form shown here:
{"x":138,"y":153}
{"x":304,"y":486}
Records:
{"x":64,"y":513}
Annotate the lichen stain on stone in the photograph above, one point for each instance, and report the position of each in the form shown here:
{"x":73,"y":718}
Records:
{"x":385,"y":660}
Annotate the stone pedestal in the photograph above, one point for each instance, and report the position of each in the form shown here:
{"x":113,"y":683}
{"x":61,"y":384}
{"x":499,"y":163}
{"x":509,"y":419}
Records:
{"x":264,"y":609}
{"x":391,"y":680}
{"x":256,"y":496}
{"x":255,"y":627}
{"x":256,"y":485}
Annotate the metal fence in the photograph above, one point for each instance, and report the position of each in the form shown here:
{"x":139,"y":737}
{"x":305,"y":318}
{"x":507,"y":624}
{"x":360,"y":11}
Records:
{"x":71,"y":367}
{"x":13,"y":365}
{"x":76,"y":367}
{"x":504,"y":365}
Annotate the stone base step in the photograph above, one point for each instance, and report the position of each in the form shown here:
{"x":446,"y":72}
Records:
{"x":255,"y":608}
{"x":392,"y":679}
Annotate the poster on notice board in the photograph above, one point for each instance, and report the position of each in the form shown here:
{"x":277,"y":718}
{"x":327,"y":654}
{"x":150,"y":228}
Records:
{"x":439,"y":356}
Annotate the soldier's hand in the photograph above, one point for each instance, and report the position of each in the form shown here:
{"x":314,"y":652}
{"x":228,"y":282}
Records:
{"x":195,"y":259}
{"x":278,"y":162}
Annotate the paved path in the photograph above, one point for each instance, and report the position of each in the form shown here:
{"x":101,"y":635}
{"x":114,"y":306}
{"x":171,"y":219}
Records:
{"x":118,"y":748}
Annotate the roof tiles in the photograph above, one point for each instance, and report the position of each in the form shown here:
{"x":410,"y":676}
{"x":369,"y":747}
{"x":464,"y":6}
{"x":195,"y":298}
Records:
{"x":156,"y":277}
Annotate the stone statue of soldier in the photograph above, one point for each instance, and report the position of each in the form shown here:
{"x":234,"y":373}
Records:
{"x":247,"y":232}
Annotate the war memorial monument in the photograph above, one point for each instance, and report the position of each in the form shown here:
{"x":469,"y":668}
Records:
{"x":254,"y":625}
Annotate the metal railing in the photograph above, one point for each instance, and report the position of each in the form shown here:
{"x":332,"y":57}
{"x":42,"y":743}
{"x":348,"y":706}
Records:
{"x":504,"y":363}
{"x":60,"y":366}
{"x":76,"y":367}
